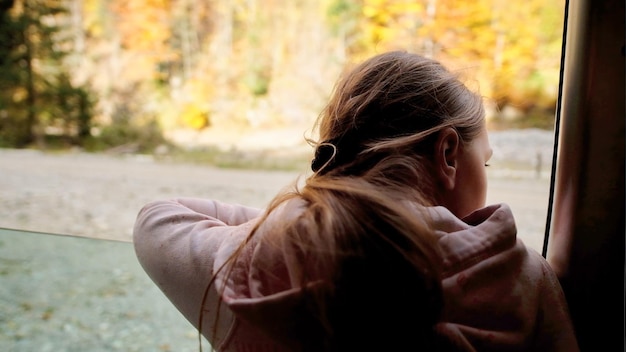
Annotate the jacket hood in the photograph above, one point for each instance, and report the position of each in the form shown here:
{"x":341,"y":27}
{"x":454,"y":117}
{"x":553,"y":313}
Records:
{"x":498,"y":294}
{"x":494,"y":288}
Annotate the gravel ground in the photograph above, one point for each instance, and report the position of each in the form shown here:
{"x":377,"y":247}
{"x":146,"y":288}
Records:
{"x":67,"y":293}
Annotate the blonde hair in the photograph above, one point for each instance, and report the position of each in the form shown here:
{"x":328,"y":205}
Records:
{"x":361,"y":230}
{"x":392,"y":106}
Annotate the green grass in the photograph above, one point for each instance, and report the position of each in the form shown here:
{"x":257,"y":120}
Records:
{"x":234,"y":159}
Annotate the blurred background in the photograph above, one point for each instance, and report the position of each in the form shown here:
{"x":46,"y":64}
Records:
{"x":160,"y":75}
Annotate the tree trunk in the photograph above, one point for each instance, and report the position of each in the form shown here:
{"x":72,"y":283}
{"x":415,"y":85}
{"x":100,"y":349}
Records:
{"x":32,"y":134}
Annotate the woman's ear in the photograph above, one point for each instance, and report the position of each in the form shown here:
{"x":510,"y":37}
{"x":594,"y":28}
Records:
{"x":447,"y":149}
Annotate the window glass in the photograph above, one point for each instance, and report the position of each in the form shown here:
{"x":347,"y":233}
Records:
{"x":64,"y":293}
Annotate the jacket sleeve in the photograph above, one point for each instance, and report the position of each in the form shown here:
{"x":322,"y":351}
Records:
{"x":178,"y":242}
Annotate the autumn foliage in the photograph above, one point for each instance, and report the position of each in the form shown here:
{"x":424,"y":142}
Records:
{"x":264,"y":63}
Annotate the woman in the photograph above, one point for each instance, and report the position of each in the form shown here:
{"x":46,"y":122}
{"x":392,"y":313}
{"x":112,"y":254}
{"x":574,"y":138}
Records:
{"x":386,"y":246}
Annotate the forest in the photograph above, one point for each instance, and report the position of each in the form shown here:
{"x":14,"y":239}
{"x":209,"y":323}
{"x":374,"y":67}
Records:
{"x":97,"y":74}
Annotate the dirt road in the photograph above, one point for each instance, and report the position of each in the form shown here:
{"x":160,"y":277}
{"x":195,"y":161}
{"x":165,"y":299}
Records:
{"x":99,"y":195}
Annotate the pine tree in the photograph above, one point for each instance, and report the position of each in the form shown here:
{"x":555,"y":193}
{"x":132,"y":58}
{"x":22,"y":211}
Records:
{"x":36,"y":94}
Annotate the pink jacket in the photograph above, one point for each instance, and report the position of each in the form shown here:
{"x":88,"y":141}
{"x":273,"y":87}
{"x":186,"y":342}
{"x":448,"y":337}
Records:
{"x":499,"y":295}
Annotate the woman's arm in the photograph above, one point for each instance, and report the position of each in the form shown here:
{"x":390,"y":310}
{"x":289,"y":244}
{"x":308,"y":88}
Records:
{"x":229,"y":214}
{"x":178,"y":242}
